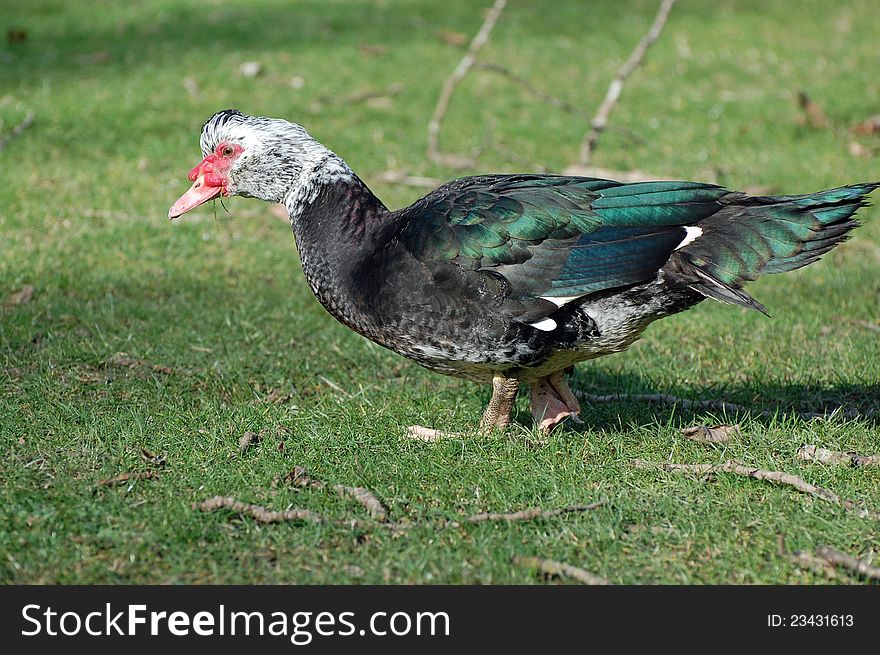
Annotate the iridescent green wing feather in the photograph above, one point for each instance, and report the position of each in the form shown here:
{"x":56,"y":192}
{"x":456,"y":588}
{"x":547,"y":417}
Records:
{"x":556,"y":236}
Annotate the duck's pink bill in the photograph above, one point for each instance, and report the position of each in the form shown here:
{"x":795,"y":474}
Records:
{"x":198,"y":194}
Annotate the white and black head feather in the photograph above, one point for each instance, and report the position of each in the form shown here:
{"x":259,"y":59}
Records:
{"x":280,"y":161}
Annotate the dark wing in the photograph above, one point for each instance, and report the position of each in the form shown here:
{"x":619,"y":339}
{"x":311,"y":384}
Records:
{"x":554,"y":236}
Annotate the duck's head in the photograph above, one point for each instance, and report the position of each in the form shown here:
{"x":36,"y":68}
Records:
{"x":251,"y":156}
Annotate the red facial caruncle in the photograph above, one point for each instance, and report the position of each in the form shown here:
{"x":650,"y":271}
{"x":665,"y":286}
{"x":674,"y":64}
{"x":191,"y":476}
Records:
{"x":210,"y":179}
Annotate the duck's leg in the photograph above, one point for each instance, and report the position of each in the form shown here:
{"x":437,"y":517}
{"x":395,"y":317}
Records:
{"x":553,"y":401}
{"x":496,"y":416}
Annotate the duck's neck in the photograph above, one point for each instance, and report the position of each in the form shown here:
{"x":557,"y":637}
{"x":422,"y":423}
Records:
{"x":330,"y":206}
{"x":336,"y":220}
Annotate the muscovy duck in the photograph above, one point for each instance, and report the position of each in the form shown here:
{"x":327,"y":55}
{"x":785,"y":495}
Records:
{"x":513,"y":279}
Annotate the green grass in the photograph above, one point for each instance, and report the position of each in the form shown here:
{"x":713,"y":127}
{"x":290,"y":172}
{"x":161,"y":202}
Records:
{"x":221,"y":300}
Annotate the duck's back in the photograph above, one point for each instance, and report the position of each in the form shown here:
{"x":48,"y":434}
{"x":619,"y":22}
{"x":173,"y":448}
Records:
{"x":532,"y":272}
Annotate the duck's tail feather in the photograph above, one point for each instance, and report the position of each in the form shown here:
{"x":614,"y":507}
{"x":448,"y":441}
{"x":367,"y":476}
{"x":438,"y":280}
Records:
{"x":758,"y":235}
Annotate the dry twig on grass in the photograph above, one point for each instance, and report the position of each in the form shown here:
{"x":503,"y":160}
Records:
{"x":559,"y":569}
{"x":732,"y":466}
{"x":815,"y":564}
{"x":368,"y":500}
{"x":299,"y":477}
{"x":527,"y":514}
{"x":812,"y":453}
{"x":25,"y":123}
{"x":828,"y":561}
{"x":600,"y":120}
{"x":806,"y":560}
{"x":777,"y":477}
{"x":848,"y":562}
{"x":467,"y":62}
{"x":258,"y":512}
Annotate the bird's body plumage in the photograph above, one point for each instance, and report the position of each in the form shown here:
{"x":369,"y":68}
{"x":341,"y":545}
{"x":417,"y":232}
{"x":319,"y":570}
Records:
{"x":517,"y":277}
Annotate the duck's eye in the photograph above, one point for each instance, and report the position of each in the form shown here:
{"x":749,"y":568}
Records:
{"x":227,"y":151}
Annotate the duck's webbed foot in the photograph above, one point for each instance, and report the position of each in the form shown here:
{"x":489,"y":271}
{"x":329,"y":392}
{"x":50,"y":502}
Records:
{"x":553,"y":401}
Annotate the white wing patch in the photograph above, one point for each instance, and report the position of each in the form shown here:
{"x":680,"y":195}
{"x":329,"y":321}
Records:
{"x":546,"y":325}
{"x":693,"y":233}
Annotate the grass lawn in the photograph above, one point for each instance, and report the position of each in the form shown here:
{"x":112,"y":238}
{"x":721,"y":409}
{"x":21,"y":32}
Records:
{"x":221,"y":334}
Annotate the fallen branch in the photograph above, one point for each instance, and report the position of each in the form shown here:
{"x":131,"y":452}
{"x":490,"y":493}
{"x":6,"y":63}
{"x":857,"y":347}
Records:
{"x":812,"y":453}
{"x":264,"y":515}
{"x":559,"y":569}
{"x":848,"y":562}
{"x":777,"y":477}
{"x":299,"y":477}
{"x":816,"y":564}
{"x":25,"y":123}
{"x":732,"y":466}
{"x":806,"y":560}
{"x":258,"y":512}
{"x":365,"y":498}
{"x":600,"y":121}
{"x":467,"y":62}
{"x":125,"y":477}
{"x":527,"y":514}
